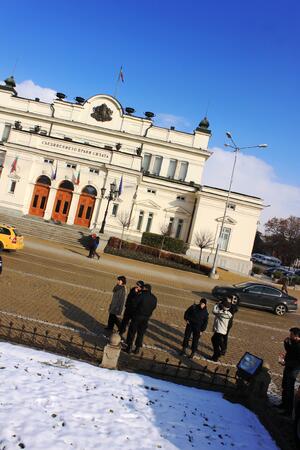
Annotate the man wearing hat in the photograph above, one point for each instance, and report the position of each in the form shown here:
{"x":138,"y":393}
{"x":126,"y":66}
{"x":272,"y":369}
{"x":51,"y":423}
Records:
{"x":130,"y":305}
{"x":196,"y":317}
{"x":220,"y":327}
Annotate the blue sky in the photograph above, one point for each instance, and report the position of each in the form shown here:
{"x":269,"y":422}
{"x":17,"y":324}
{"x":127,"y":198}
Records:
{"x":240,"y":60}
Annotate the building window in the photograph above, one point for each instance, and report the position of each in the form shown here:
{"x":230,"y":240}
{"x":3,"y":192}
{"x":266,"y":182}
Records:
{"x":172,"y":168}
{"x":231,"y":206}
{"x":71,"y":166}
{"x":170,"y":226}
{"x":157,"y":165}
{"x":180,"y":197}
{"x":140,"y":221}
{"x":224,"y":239}
{"x":149,"y":222}
{"x":183,"y":170}
{"x":48,"y":161}
{"x":179,"y":228}
{"x":6,"y":132}
{"x":151,"y":191}
{"x":146,"y":162}
{"x":92,"y":170}
{"x":12,"y":187}
{"x":115,"y":210}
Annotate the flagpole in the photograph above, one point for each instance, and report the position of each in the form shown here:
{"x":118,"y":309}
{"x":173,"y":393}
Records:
{"x":118,"y":83}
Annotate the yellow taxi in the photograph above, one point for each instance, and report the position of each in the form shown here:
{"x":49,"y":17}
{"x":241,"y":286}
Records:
{"x":10,"y":239}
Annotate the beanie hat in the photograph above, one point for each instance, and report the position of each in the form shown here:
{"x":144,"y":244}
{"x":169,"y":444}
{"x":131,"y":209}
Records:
{"x":203,"y":300}
{"x":226,"y":304}
{"x":140,"y":283}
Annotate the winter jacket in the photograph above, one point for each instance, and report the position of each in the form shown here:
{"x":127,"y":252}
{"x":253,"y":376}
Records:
{"x":292,"y":356}
{"x":222,"y":318}
{"x":118,"y":299}
{"x":146,"y":303}
{"x":131,"y":303}
{"x":197,"y":317}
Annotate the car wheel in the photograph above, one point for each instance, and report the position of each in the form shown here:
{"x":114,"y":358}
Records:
{"x":280,"y":309}
{"x":297,"y":428}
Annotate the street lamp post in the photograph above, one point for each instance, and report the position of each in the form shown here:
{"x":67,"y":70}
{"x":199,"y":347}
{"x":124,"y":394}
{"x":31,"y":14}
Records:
{"x":236,"y":150}
{"x":113,"y":194}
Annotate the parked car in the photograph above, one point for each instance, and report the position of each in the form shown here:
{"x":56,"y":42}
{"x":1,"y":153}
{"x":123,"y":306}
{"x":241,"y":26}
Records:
{"x":258,"y":296}
{"x":285,"y":272}
{"x":296,"y":416}
{"x":265,"y":260}
{"x":10,"y":239}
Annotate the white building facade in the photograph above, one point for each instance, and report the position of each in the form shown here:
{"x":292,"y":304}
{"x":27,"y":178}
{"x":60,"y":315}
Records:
{"x":60,"y":161}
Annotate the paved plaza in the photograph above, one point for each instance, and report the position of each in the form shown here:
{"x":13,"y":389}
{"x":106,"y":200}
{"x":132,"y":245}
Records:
{"x":52,"y":285}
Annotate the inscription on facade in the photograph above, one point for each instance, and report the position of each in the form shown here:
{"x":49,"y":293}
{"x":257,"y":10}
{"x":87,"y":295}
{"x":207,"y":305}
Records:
{"x":77,"y":150}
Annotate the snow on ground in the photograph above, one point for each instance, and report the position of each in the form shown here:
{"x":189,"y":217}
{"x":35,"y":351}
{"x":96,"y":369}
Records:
{"x":53,"y":403}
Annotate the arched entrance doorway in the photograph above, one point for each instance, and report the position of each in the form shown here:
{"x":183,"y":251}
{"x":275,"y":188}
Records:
{"x":40,"y":196}
{"x":63,"y":201}
{"x":85,"y":206}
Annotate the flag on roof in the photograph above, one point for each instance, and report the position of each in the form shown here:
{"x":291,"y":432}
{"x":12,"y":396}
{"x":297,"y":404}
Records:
{"x":121,"y":75}
{"x":14,"y":165}
{"x":120,"y":186}
{"x":76,"y":178}
{"x":54,"y":172}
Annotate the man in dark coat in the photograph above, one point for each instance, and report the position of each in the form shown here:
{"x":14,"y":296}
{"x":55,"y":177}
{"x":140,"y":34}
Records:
{"x":196,"y":317}
{"x":145,"y":305}
{"x":117,"y":304}
{"x":232,"y":299}
{"x":130,"y":305}
{"x":291,"y":363}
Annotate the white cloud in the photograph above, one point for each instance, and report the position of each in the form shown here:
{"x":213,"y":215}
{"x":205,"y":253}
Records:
{"x":168,"y":120}
{"x":255,"y":177}
{"x":29,"y":89}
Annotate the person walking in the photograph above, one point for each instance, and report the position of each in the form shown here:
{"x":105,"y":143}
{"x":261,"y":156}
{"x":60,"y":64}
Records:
{"x":96,"y":245}
{"x":284,"y":287}
{"x":145,"y":305}
{"x":233,"y":310}
{"x":91,"y":246}
{"x":291,"y":363}
{"x":196,"y":317}
{"x":117,"y":304}
{"x":130,"y":305}
{"x":220,"y":327}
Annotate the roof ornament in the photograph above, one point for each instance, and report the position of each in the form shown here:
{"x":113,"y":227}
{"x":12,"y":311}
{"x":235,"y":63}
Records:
{"x":102,"y":113}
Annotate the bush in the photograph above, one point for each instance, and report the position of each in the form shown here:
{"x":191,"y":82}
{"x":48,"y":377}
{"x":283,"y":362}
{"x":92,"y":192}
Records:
{"x":295,"y":280}
{"x":277,"y":275}
{"x":152,"y":255}
{"x":169,"y":244}
{"x":257,"y":270}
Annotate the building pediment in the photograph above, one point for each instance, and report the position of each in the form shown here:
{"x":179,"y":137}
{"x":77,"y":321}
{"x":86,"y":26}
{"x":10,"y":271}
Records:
{"x":148,"y":204}
{"x":177,"y":210}
{"x":228,"y":220}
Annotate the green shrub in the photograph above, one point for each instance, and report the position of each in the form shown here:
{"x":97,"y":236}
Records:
{"x":257,"y":270}
{"x":169,"y":244}
{"x":277,"y":275}
{"x":295,"y":280}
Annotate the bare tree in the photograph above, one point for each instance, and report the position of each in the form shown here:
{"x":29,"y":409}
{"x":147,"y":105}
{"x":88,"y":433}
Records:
{"x":203,"y":239}
{"x":125,"y":220}
{"x":165,"y":230}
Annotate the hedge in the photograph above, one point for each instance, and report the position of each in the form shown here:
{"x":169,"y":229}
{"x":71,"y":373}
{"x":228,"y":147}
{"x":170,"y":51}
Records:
{"x":169,"y":244}
{"x":153,"y":255}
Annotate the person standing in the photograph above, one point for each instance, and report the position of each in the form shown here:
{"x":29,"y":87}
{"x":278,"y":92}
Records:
{"x":145,"y":305}
{"x":291,"y":363}
{"x":196,"y":317}
{"x":233,"y":310}
{"x":117,"y":304}
{"x":91,"y":245}
{"x":130,"y":305}
{"x":220,"y":327}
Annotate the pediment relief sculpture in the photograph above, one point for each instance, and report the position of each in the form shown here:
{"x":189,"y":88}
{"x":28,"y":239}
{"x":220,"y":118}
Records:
{"x":102,"y":113}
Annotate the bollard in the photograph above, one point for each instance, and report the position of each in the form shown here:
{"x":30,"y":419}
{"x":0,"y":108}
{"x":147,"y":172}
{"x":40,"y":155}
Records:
{"x":111,"y":352}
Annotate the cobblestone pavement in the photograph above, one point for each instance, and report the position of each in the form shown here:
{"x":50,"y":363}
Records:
{"x":51,"y":284}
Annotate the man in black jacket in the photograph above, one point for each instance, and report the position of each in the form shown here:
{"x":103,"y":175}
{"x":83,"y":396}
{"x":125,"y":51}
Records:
{"x":196,"y":317}
{"x":130,"y":305}
{"x":146,"y":303}
{"x":291,"y":370}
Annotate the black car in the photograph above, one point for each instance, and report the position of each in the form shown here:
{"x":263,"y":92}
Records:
{"x":259,"y":296}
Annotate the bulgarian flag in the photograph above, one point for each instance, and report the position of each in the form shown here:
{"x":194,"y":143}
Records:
{"x":77,"y":178}
{"x":54,"y":172}
{"x":120,"y":186}
{"x":14,"y":165}
{"x":121,"y":75}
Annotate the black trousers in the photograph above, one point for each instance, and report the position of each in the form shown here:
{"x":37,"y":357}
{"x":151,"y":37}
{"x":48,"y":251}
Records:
{"x":218,"y":344}
{"x":137,"y":328}
{"x":190,"y":330}
{"x":288,"y":387}
{"x":125,"y":321}
{"x":113,"y":320}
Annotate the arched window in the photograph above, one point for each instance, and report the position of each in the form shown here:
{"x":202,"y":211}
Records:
{"x":44,"y":180}
{"x":67,"y":185}
{"x":90,"y":190}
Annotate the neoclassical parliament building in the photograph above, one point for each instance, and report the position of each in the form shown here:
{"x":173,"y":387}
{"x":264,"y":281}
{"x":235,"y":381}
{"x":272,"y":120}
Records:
{"x":68,"y":161}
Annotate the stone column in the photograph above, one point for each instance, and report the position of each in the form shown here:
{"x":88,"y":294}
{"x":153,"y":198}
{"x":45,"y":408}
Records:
{"x":111,"y":352}
{"x":50,"y":203}
{"x":73,"y":208}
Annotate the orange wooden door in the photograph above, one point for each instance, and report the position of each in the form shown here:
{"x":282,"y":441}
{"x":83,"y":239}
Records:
{"x":62,"y":205}
{"x":39,"y":200}
{"x":85,"y":210}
